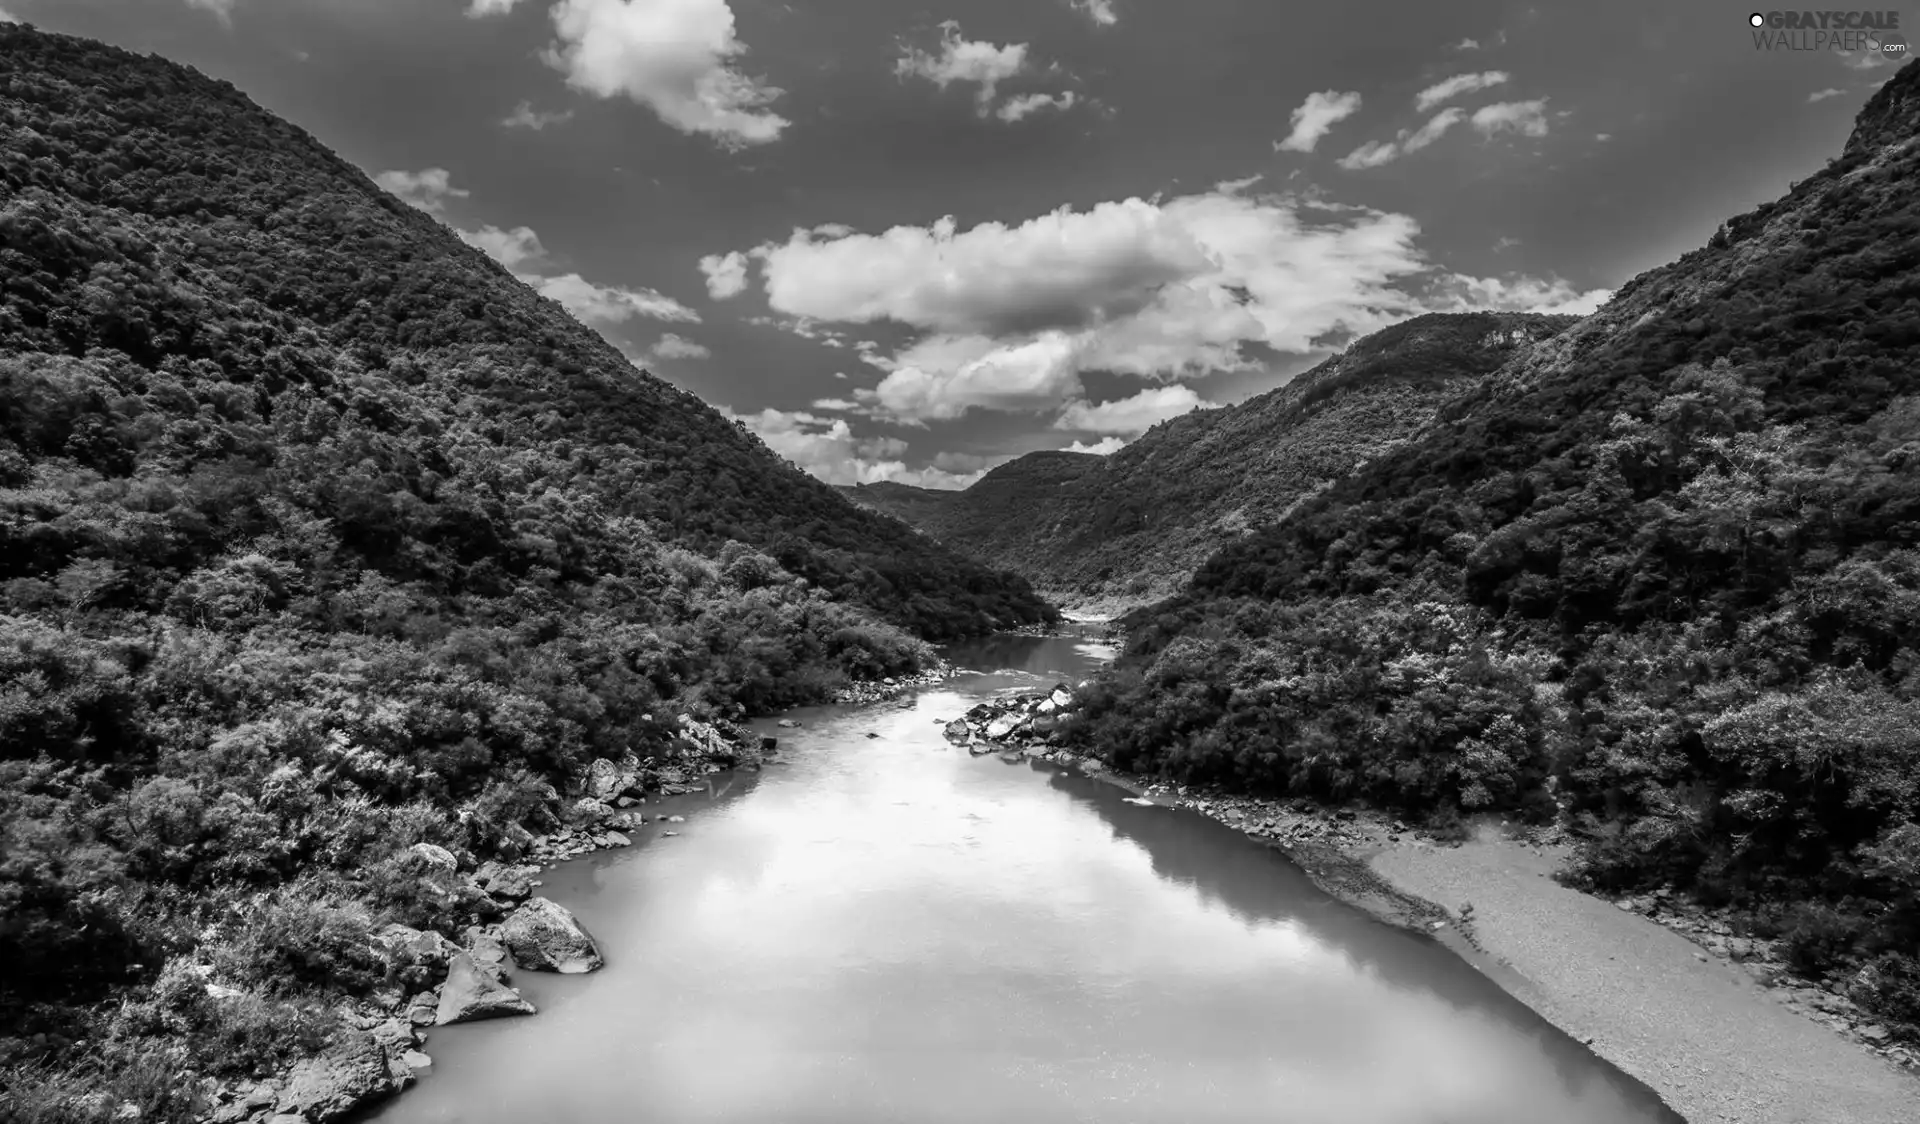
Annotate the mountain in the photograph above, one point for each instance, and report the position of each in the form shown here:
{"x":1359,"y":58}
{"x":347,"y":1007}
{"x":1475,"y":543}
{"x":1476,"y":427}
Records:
{"x":322,"y":535}
{"x":1134,"y":526}
{"x":1658,"y":577}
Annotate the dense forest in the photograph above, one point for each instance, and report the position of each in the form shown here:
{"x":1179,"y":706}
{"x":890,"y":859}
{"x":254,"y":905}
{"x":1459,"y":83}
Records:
{"x":1659,"y":576}
{"x":322,"y":536}
{"x":1133,"y":526}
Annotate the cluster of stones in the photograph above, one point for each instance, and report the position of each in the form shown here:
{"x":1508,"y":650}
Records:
{"x":1826,"y":1003}
{"x":436,"y":981}
{"x":891,"y":687}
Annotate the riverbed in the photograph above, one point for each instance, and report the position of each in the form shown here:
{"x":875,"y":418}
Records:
{"x":884,"y":928}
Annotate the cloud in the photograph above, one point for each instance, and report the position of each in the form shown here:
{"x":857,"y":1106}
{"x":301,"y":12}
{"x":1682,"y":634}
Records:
{"x":828,"y":449}
{"x":672,"y":56}
{"x":1823,"y":95}
{"x":609,"y":304}
{"x":1528,"y":118}
{"x":1459,"y":292}
{"x":480,"y":9}
{"x":427,"y":189}
{"x":1603,"y":137}
{"x":1453,"y":87}
{"x":512,"y":248}
{"x":1315,"y":117}
{"x":1009,"y":316}
{"x":1375,"y":153}
{"x":524,"y":116}
{"x":726,"y":274}
{"x":222,"y":9}
{"x":1131,"y":416}
{"x":1467,"y":45}
{"x":964,"y":60}
{"x":672,"y":346}
{"x":1099,"y":11}
{"x":1103,"y":447}
{"x":1025,"y":105}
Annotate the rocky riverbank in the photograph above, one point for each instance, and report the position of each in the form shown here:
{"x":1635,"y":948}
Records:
{"x":437,"y":979}
{"x":1342,"y":851}
{"x":892,"y":687}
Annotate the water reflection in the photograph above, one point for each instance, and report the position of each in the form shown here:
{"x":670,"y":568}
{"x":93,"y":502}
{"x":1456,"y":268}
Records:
{"x":891,"y":930}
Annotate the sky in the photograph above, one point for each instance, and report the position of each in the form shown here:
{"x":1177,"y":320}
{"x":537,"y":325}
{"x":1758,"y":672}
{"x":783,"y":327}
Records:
{"x":910,"y":241}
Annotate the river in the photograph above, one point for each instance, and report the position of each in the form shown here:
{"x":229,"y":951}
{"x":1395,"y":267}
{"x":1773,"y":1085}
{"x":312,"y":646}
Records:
{"x":887,"y":930}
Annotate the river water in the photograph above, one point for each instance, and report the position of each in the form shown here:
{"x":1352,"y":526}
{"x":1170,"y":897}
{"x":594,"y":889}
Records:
{"x":887,"y":930}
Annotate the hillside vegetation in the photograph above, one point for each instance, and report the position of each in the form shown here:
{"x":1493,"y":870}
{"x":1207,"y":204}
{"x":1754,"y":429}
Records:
{"x":1659,"y":574}
{"x":1135,"y":525}
{"x":322,"y":536}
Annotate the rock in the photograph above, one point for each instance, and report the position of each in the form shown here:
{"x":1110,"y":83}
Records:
{"x":473,"y":992}
{"x":676,"y":819}
{"x":437,"y":858}
{"x":393,"y":1034}
{"x":872,"y":735}
{"x":957,"y":731}
{"x":328,"y":1087}
{"x":603,"y":780}
{"x":615,"y":839}
{"x":1002,"y":726}
{"x":787,"y":724}
{"x":1061,"y":696}
{"x":1875,"y":1033}
{"x":769,"y":745}
{"x":404,"y":947}
{"x":416,"y":1060}
{"x":544,"y":936}
{"x":589,"y":811}
{"x":420,"y":1011}
{"x":286,"y":1118}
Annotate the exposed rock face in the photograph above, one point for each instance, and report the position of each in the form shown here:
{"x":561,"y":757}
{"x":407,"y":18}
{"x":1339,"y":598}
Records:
{"x":329,"y":1087}
{"x":473,"y":992}
{"x":544,"y":936}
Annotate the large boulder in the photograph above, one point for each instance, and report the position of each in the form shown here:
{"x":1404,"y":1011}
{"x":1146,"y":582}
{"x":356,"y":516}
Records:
{"x":544,"y":936}
{"x":957,"y":731}
{"x":475,"y":992}
{"x":603,"y":780}
{"x":435,"y":858}
{"x":352,"y":1074}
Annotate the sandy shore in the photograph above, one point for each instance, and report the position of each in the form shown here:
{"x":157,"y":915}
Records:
{"x":1700,"y":1031}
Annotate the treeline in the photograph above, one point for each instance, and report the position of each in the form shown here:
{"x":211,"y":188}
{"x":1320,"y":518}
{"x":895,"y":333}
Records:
{"x":1665,"y":582}
{"x":321,"y":536}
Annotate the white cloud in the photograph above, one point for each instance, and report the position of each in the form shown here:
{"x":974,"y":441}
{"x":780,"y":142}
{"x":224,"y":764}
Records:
{"x":674,"y":57}
{"x":1235,"y":187}
{"x":1103,"y":447}
{"x":1467,"y":45}
{"x":223,"y":9}
{"x":1603,"y":137}
{"x":1448,"y":89}
{"x":1099,"y":11}
{"x":1025,"y":105}
{"x":480,"y":9}
{"x":828,"y":449}
{"x":512,"y":248}
{"x":609,"y":304}
{"x":1010,"y":316}
{"x":1131,"y":416}
{"x":1313,"y":118}
{"x":726,"y":274}
{"x":1528,"y":118}
{"x":1823,"y":95}
{"x":965,"y":60}
{"x":524,"y":116}
{"x":427,"y":189}
{"x":672,"y":346}
{"x":1375,"y":153}
{"x":1459,"y":292}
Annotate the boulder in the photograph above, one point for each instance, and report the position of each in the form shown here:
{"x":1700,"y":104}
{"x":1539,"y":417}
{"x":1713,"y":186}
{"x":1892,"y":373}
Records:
{"x":787,"y":724}
{"x":1061,"y":697}
{"x":474,"y":992}
{"x":1002,"y":726}
{"x":544,"y":936}
{"x":512,"y":882}
{"x":436,"y":858}
{"x":769,"y":745}
{"x":956,"y":731}
{"x":603,"y":780}
{"x":347,"y":1077}
{"x":403,"y":947}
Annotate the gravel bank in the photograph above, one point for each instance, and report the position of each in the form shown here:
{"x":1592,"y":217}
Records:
{"x":1715,"y":1045}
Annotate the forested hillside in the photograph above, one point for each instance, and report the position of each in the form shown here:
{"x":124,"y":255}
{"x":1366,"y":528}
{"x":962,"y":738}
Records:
{"x":1659,"y":571}
{"x":321,"y":536}
{"x":1134,"y":526}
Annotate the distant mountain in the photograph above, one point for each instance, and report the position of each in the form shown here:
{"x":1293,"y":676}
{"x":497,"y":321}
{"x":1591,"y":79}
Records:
{"x":321,"y":535}
{"x":1658,"y":576}
{"x":1133,"y":526}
